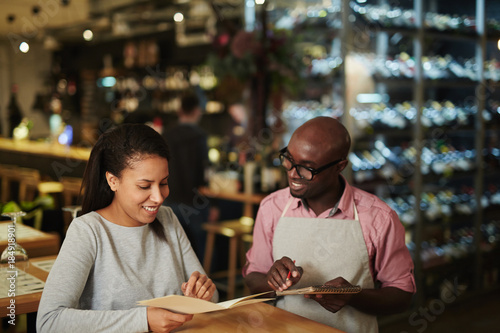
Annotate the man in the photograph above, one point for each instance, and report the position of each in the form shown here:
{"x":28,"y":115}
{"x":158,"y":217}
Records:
{"x":336,"y":234}
{"x":188,"y":145}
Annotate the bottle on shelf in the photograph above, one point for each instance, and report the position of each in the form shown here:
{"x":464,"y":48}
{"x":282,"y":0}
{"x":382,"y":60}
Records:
{"x":14,"y":111}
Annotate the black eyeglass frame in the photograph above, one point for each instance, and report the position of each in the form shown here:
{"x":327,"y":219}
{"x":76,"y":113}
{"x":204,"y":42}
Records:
{"x":313,"y":171}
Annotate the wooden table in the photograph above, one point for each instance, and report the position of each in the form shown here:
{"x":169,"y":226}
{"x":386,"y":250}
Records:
{"x":37,"y":243}
{"x":258,"y":317}
{"x":27,"y":303}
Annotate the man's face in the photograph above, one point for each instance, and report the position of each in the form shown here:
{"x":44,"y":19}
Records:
{"x":307,"y":154}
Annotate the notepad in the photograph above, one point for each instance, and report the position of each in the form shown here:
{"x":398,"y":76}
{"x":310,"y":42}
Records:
{"x":320,"y":289}
{"x":191,"y":305}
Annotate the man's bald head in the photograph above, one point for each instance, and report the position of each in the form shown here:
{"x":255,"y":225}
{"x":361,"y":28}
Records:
{"x":325,"y":132}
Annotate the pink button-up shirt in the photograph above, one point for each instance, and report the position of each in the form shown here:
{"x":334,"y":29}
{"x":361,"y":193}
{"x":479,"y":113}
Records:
{"x":390,"y":261}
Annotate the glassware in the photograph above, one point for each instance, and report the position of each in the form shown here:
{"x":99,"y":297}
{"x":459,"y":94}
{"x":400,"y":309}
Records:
{"x":14,"y":254}
{"x":73,"y":210}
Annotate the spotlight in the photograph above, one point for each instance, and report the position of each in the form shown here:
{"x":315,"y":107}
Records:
{"x":35,"y":10}
{"x":178,"y":17}
{"x":24,"y":47}
{"x":11,"y":18}
{"x":88,"y":35}
{"x":65,"y":2}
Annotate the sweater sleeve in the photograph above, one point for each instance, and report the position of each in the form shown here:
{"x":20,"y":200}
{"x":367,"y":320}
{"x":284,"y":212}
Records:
{"x":58,"y":310}
{"x":189,"y":260}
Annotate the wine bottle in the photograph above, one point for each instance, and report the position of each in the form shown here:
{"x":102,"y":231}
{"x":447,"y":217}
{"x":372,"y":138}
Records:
{"x":14,"y":112}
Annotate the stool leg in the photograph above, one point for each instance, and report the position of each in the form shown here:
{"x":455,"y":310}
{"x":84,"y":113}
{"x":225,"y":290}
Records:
{"x":209,"y":248}
{"x":5,"y":189}
{"x":22,"y":191}
{"x":233,"y":255}
{"x":242,"y":254}
{"x":243,"y":260}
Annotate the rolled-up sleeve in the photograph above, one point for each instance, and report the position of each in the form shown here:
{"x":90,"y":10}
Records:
{"x":393,"y":265}
{"x":260,"y":256}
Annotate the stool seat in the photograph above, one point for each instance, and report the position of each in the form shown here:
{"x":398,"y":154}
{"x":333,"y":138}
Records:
{"x":50,"y":187}
{"x":230,"y":228}
{"x":236,"y":231}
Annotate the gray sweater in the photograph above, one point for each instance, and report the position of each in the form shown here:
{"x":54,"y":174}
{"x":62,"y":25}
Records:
{"x":107,"y":268}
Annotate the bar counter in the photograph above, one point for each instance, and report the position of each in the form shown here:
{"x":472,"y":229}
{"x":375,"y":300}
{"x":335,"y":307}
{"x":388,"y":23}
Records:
{"x":51,"y":159}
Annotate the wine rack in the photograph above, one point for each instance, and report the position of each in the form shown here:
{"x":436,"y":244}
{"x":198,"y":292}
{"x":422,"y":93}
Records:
{"x":426,"y":132}
{"x":417,"y":82}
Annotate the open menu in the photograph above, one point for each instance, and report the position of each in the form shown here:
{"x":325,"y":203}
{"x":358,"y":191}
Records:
{"x":191,"y":305}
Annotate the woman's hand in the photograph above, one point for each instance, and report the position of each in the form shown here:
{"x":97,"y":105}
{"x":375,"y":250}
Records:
{"x":161,"y":320}
{"x":199,"y":286}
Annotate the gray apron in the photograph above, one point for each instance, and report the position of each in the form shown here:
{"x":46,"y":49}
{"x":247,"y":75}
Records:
{"x":325,"y":249}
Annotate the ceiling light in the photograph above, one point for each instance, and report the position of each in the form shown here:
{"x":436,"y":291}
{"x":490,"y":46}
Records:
{"x":178,"y":17}
{"x":50,"y":43}
{"x":24,"y":47}
{"x":88,"y":35}
{"x":259,"y":2}
{"x":11,"y":18}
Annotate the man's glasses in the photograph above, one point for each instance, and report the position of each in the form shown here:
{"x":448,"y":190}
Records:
{"x":303,"y":171}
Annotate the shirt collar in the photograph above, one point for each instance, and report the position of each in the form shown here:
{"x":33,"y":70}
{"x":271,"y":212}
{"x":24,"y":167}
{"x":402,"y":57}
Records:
{"x":344,"y":205}
{"x":346,"y":202}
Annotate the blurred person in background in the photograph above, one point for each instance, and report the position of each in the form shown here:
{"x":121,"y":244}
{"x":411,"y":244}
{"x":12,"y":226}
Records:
{"x":189,"y":151}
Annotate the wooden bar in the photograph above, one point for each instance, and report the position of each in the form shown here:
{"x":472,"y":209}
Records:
{"x":258,"y":317}
{"x":44,"y":149}
{"x":53,"y":160}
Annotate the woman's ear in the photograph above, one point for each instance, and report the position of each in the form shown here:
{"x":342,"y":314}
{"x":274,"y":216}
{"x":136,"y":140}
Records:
{"x":112,"y":181}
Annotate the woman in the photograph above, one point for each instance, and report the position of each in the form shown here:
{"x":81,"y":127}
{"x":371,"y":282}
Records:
{"x":125,"y":247}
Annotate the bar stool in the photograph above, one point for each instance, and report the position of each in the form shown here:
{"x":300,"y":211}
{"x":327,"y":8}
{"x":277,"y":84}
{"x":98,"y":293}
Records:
{"x":71,"y":197}
{"x":7,"y":174}
{"x":27,"y":178}
{"x":30,"y":181}
{"x":45,"y":188}
{"x":235,"y":230}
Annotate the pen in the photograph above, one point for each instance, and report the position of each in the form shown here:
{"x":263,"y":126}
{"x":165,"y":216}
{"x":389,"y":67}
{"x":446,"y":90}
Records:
{"x":290,"y":273}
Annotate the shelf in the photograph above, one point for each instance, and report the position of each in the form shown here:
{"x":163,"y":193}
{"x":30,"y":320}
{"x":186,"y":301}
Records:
{"x":447,"y":265}
{"x":473,"y":131}
{"x":429,"y":83}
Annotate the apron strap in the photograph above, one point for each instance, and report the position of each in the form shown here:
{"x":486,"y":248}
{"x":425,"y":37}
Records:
{"x":356,"y":217}
{"x":288,"y":204}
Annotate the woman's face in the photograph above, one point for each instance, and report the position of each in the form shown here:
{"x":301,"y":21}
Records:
{"x":140,"y":191}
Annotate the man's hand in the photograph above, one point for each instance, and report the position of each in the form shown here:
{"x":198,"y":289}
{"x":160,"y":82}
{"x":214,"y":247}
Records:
{"x":333,"y":302}
{"x":164,"y":321}
{"x":277,"y":275}
{"x":199,"y":286}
